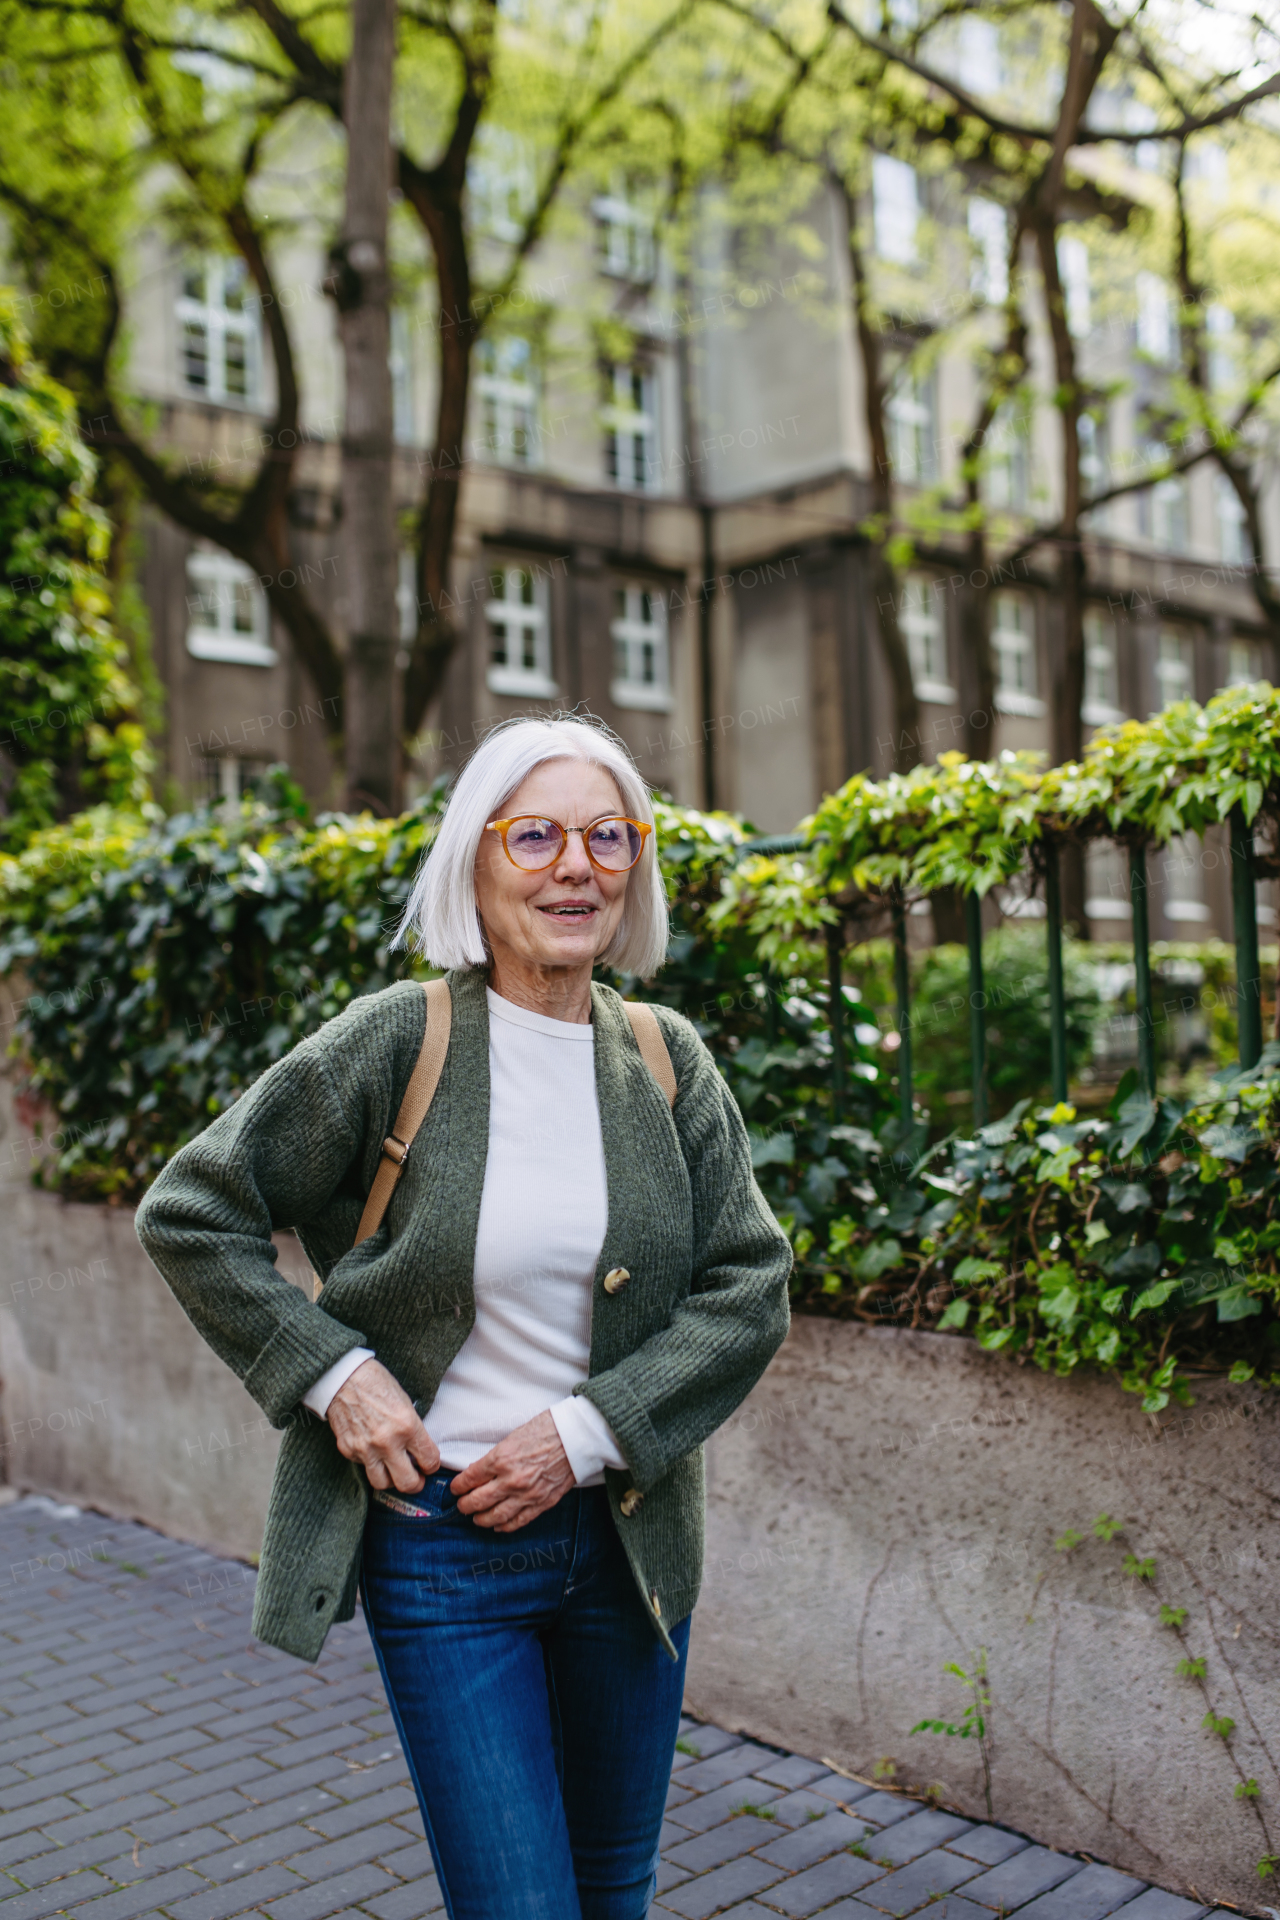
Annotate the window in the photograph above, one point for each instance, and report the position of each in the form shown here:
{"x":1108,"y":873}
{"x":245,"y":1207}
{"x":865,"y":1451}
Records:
{"x":519,"y":634}
{"x":1233,"y":532}
{"x":979,"y":55}
{"x":219,"y":354}
{"x":1073,"y":268}
{"x":500,"y":186}
{"x":1101,"y":705}
{"x":407,"y":596}
{"x":989,"y":235}
{"x":401,"y":362}
{"x":1244,"y":663}
{"x":1220,"y":326}
{"x":923,"y":629}
{"x":630,"y":447}
{"x":641,"y":669}
{"x":1013,"y":642}
{"x":1182,"y":870}
{"x":1006,"y":482}
{"x":227,"y":614}
{"x":1155,"y":321}
{"x":507,"y":398}
{"x":895,"y":196}
{"x":1175,"y":666}
{"x":1106,"y":882}
{"x":910,"y":424}
{"x":625,"y":236}
{"x":1163,"y":516}
{"x":1095,"y":463}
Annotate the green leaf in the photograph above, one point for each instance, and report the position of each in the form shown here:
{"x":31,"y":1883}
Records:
{"x":972,"y":1269}
{"x":1106,"y":1528}
{"x":1237,"y":1303}
{"x":1240,"y":1372}
{"x":1172,"y":1616}
{"x":955,"y":1315}
{"x":1154,"y":1296}
{"x":1137,"y":1117}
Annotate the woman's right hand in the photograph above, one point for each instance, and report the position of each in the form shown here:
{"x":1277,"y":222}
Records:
{"x":374,"y":1422}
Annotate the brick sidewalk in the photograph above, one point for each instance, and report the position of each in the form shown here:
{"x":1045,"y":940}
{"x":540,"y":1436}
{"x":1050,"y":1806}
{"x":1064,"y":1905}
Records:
{"x":154,"y":1760}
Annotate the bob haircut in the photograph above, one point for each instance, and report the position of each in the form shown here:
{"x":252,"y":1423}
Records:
{"x":440,"y":916}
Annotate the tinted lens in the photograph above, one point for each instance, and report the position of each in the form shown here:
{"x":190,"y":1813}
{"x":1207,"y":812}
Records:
{"x":534,"y":843}
{"x":616,"y":844}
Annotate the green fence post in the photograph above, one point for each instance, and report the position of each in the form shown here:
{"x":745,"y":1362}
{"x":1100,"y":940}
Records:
{"x":1139,"y":903}
{"x":1244,"y":903}
{"x":1057,"y":997}
{"x":977,"y":1005}
{"x":902,"y":987}
{"x":835,"y":1016}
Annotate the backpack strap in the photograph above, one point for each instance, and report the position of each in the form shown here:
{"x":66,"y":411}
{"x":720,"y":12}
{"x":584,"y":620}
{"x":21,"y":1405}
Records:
{"x":653,"y":1048}
{"x":418,"y":1096}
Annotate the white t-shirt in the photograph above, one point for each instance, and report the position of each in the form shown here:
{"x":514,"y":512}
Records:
{"x":543,"y":1213}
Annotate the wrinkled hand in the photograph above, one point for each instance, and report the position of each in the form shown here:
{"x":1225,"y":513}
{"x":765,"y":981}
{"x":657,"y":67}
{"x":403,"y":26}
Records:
{"x":373,"y":1419}
{"x":518,"y":1479}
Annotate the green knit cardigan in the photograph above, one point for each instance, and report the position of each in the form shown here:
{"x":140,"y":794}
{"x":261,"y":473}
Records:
{"x":673,"y":1353}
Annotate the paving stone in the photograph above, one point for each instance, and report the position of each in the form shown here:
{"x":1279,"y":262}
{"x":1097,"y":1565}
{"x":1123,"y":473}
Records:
{"x":407,"y":1902}
{"x":109,"y":1741}
{"x":794,"y":1772}
{"x":1086,"y":1896}
{"x":65,"y":1781}
{"x":340,"y":1856}
{"x":724,"y":1842}
{"x":795,"y":1808}
{"x":991,"y":1845}
{"x":103,"y":1819}
{"x":917,"y":1835}
{"x":407,"y":1862}
{"x":704,"y":1810}
{"x":103,"y":1850}
{"x":805,"y":1893}
{"x":710,"y":1891}
{"x":813,"y":1841}
{"x":221,"y":1862}
{"x":676,"y":1796}
{"x":248,"y":1821}
{"x":910,"y":1886}
{"x":114,"y":1786}
{"x":1028,"y":1873}
{"x":143,"y":1898}
{"x":733,"y":1763}
{"x":385,"y":1805}
{"x":834,"y":1786}
{"x":202,"y":1813}
{"x":314,"y":1903}
{"x":1151,"y":1905}
{"x":180,"y":1850}
{"x":706,"y":1740}
{"x":669,"y":1876}
{"x":56,"y":1896}
{"x":886,"y":1809}
{"x":236,"y":1896}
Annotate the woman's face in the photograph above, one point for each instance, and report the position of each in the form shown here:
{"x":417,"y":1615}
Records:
{"x":566,"y":914}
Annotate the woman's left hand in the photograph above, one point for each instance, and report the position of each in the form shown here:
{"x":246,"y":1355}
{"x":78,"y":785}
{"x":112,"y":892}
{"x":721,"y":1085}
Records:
{"x":520,"y":1478}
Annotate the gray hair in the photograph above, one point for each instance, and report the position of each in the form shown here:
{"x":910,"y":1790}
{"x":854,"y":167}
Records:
{"x":440,"y":915}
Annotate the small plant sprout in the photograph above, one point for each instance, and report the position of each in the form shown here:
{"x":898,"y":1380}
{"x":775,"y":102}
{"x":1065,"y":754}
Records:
{"x":1106,"y":1528}
{"x":973,"y":1724}
{"x":1247,"y":1789}
{"x":1223,"y":1725}
{"x":1172,"y":1616}
{"x":1068,"y":1541}
{"x":1190,"y":1669}
{"x":1135,"y":1569}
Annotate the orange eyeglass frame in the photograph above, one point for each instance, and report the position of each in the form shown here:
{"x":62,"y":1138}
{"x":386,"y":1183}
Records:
{"x":501,"y":828}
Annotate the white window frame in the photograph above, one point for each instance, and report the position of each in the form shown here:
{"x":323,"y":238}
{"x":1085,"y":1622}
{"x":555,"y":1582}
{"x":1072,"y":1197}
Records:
{"x":630,"y":421}
{"x":1013,"y":642}
{"x":526,"y":627}
{"x":910,"y":418}
{"x":501,"y":187}
{"x":1104,"y":862}
{"x":1175,"y":665}
{"x":641,"y":641}
{"x":1101,"y":704}
{"x":1073,"y":270}
{"x":214,"y":581}
{"x":1182,"y":870}
{"x":989,"y":237}
{"x":924,"y":631}
{"x":895,"y":209}
{"x":628,"y":248}
{"x":1006,"y":481}
{"x":508,"y":404}
{"x":1244,"y":661}
{"x":1155,"y":318}
{"x":221,"y":324}
{"x":1233,"y":532}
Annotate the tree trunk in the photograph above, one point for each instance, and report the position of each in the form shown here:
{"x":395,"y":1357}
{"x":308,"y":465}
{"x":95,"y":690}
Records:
{"x":361,"y":286}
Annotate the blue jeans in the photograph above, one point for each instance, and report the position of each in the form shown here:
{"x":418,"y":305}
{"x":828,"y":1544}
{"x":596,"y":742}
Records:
{"x":535,"y":1704}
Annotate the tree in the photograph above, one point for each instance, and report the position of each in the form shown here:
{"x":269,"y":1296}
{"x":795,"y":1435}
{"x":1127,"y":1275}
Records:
{"x":70,"y":734}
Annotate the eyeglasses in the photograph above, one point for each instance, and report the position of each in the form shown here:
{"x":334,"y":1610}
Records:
{"x":613,"y":843}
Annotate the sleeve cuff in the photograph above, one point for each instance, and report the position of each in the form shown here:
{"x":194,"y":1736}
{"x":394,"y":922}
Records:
{"x":587,"y":1438}
{"x":318,"y":1396}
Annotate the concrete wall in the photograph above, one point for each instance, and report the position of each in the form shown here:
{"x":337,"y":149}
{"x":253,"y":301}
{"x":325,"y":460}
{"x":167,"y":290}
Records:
{"x":883,"y":1504}
{"x":888,"y":1502}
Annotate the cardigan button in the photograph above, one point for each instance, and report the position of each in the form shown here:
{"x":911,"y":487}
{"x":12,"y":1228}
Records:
{"x":630,"y":1501}
{"x":616,"y":1279}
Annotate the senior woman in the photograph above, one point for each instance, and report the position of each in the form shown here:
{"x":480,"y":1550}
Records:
{"x":495,"y":1409}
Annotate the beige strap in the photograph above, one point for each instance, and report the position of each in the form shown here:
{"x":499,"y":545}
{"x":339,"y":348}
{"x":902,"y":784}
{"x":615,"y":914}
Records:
{"x":418,"y":1096}
{"x":653,"y":1048}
